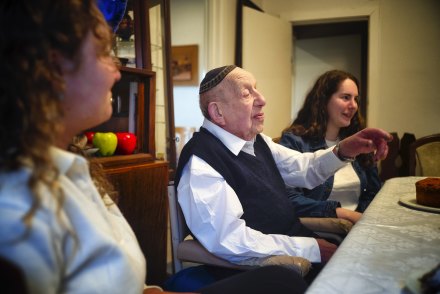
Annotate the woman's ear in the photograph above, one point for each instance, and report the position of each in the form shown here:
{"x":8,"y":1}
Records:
{"x":215,"y":112}
{"x":63,"y":64}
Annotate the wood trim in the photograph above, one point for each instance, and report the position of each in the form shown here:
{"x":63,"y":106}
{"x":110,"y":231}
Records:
{"x":169,"y":98}
{"x":120,"y":161}
{"x":142,"y":41}
{"x":150,"y":116}
{"x":146,"y":107}
{"x":239,"y":34}
{"x":144,"y":203}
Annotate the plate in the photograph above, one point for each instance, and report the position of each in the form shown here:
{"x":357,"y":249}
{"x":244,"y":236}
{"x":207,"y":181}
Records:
{"x":411,"y":202}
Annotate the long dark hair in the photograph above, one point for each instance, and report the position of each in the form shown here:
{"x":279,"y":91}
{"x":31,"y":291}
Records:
{"x":31,"y":84}
{"x":312,"y":119}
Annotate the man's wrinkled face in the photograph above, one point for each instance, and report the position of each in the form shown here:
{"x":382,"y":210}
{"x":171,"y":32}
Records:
{"x":242,"y":105}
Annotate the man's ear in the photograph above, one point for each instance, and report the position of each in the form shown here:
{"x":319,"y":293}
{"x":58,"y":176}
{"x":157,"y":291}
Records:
{"x":216,"y":114}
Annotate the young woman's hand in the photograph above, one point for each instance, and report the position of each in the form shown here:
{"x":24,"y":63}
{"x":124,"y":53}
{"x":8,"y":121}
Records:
{"x":347,"y":214}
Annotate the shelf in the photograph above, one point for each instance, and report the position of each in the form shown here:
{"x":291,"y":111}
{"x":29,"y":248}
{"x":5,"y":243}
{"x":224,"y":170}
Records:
{"x":134,"y":102}
{"x":124,"y":160}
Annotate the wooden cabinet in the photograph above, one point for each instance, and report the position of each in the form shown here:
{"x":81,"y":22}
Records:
{"x":142,"y":186}
{"x":141,"y":179}
{"x":134,"y":104}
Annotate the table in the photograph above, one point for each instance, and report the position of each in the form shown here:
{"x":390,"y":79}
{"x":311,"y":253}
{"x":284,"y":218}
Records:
{"x":381,"y":251}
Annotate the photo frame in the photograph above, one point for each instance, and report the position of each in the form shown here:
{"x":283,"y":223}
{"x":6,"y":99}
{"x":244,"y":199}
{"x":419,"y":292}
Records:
{"x":185,"y":65}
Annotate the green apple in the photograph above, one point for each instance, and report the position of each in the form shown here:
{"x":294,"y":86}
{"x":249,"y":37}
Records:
{"x":106,"y":142}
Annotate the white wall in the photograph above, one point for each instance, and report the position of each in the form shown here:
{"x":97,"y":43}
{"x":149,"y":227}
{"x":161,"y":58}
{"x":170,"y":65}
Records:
{"x":409,"y":97}
{"x":404,"y":59}
{"x":188,"y":28}
{"x":312,"y":57}
{"x":220,"y":32}
{"x":211,"y":25}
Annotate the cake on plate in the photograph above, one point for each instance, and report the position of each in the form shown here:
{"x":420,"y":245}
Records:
{"x":428,"y":192}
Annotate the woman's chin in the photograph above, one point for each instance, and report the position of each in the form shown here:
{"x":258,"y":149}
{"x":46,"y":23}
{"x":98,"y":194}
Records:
{"x":345,"y":123}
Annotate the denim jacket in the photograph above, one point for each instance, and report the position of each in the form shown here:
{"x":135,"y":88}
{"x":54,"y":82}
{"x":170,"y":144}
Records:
{"x":314,"y":203}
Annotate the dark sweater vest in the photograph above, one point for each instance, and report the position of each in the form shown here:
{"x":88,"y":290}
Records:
{"x":255,"y":179}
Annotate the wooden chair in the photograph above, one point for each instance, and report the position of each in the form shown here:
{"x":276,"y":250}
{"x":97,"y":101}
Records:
{"x":405,"y":142}
{"x":186,"y":249}
{"x":424,"y":156}
{"x":388,"y":166}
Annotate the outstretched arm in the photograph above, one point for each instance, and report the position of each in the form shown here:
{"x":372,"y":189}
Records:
{"x":213,"y":213}
{"x":366,"y":141}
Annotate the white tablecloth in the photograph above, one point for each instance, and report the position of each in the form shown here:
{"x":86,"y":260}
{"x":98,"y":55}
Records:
{"x":387,"y":245}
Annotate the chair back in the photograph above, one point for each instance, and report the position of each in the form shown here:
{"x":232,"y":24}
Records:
{"x":388,"y":166}
{"x":179,"y":230}
{"x":405,"y":142}
{"x":190,"y":250}
{"x":424,"y":156}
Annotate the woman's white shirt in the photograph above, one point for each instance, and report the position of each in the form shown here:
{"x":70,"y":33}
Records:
{"x":86,"y":246}
{"x":346,"y":185}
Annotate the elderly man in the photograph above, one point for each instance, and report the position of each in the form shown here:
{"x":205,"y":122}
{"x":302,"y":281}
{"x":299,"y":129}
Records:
{"x":231,"y":178}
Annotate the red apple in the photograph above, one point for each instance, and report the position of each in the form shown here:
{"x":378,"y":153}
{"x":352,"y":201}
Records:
{"x":89,"y":136}
{"x":126,"y":143}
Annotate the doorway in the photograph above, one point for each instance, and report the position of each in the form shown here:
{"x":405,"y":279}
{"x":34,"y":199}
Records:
{"x":325,"y":46}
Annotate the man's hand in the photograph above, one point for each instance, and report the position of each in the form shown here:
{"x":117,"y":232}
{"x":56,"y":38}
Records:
{"x":366,"y":141}
{"x":326,"y":249}
{"x":347,"y":214}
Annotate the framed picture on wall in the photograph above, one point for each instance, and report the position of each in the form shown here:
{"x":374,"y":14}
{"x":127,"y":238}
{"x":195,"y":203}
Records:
{"x":185,"y":65}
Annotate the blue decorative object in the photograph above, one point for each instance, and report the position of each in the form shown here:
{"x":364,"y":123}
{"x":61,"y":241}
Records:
{"x":113,"y":11}
{"x":189,"y":279}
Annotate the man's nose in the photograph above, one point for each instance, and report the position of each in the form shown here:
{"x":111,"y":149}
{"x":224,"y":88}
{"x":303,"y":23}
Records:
{"x":261,"y":101}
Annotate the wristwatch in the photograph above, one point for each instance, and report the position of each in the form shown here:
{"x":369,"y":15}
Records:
{"x":342,"y":157}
